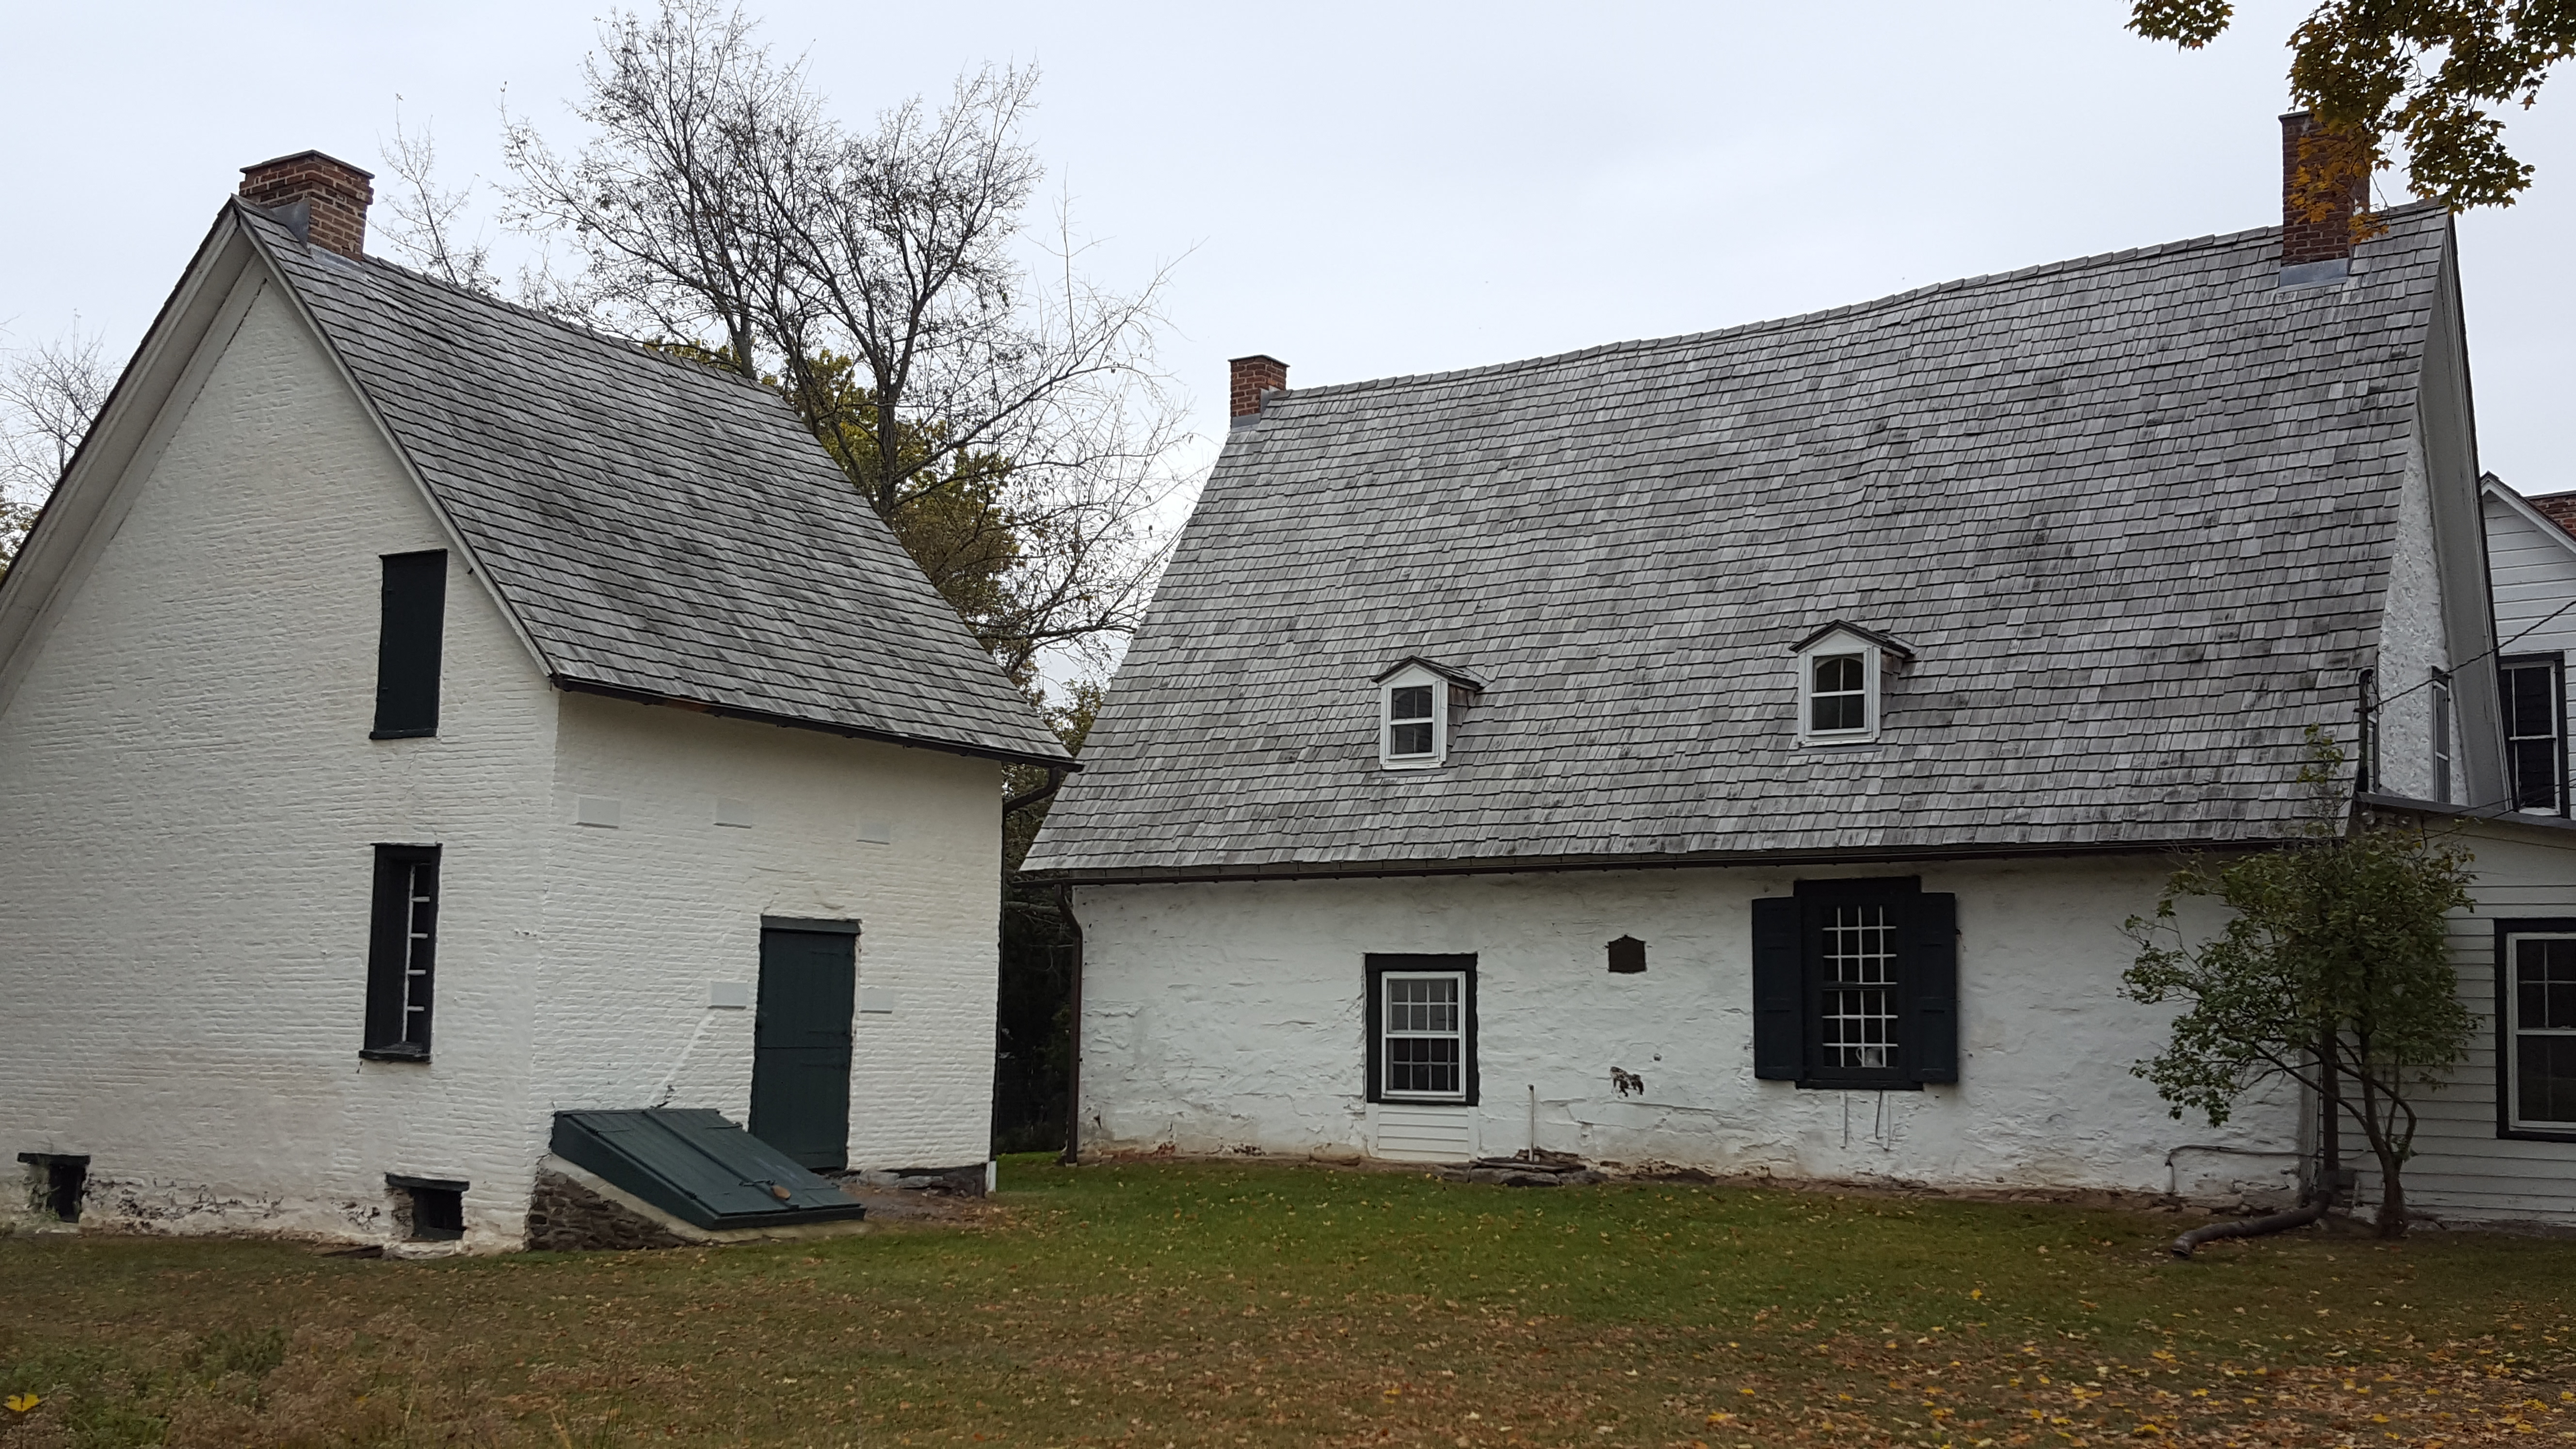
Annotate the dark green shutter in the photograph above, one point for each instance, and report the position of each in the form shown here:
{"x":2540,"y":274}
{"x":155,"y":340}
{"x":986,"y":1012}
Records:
{"x":408,"y":639}
{"x":1779,"y":1027}
{"x":1931,"y":966}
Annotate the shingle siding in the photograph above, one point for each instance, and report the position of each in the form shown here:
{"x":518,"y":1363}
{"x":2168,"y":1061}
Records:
{"x":2134,"y":514}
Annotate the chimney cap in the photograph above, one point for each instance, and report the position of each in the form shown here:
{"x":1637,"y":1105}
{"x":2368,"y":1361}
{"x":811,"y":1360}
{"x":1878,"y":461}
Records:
{"x":360,"y":172}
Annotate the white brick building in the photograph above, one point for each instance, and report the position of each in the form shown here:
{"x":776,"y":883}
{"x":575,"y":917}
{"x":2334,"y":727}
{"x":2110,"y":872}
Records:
{"x":373,"y":605}
{"x":1743,"y":750}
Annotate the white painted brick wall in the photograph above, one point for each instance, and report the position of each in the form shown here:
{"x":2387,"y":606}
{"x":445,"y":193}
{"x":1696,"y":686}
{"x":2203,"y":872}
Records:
{"x":187,"y":829}
{"x":1222,"y":1016}
{"x":641,"y":918}
{"x":187,"y":834}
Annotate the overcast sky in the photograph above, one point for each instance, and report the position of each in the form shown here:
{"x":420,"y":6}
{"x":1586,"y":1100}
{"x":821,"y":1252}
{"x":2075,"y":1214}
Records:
{"x":1362,"y":190}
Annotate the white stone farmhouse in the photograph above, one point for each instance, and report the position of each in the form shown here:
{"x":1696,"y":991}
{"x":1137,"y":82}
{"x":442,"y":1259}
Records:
{"x":1742,"y":750}
{"x":419,"y":718}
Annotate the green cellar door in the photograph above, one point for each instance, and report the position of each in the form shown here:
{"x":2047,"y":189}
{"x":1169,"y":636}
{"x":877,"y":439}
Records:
{"x":800,"y":1059}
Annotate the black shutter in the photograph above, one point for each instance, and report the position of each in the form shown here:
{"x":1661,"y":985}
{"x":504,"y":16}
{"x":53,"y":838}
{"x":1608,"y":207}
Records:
{"x":407,"y":645}
{"x":1931,"y":967}
{"x":386,"y":941}
{"x":1779,"y":1026}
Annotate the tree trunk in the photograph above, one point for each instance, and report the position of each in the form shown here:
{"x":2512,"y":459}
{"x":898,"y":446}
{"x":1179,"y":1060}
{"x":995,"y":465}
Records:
{"x":2330,"y":1122}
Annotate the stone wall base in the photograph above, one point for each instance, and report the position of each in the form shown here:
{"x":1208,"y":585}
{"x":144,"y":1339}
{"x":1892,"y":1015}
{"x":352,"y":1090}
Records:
{"x":566,"y":1216}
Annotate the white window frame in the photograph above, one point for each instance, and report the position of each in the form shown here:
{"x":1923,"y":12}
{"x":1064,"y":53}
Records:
{"x":1413,"y":676}
{"x":1838,"y":644}
{"x":2509,"y":1073}
{"x":1387,"y":1035}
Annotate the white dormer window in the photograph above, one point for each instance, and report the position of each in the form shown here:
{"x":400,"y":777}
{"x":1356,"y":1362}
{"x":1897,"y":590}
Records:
{"x":1419,"y":702}
{"x":1840,"y":669}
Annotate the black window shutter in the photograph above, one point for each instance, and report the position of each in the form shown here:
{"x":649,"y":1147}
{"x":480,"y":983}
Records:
{"x":407,"y":645}
{"x":386,"y":940}
{"x":1931,"y":966}
{"x":1779,"y":1026}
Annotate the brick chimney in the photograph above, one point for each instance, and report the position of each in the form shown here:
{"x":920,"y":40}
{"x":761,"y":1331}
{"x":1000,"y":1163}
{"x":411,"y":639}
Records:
{"x":2328,"y":238}
{"x":1254,"y":376}
{"x":332,"y":193}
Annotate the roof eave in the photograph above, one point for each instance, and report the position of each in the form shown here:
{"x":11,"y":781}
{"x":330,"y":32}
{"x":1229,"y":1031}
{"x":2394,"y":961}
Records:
{"x":693,"y":705}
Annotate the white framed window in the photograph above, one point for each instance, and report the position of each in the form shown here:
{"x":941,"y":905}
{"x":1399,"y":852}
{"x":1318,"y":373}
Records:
{"x":1841,"y":668}
{"x":1417,"y":707}
{"x":1422,"y":1026}
{"x":2535,"y":732}
{"x":2537,"y":1019}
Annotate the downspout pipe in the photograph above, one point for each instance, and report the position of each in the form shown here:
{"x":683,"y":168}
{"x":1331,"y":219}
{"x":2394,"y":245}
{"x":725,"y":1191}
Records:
{"x":1073,"y":1055}
{"x":2297,"y":1217}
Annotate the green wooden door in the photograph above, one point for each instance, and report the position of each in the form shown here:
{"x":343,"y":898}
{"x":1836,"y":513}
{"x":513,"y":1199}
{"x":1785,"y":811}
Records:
{"x":800,"y":1062}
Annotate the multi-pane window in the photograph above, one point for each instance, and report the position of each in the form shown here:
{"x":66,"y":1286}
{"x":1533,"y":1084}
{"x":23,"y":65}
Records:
{"x":1422,"y":1028}
{"x":1838,"y":697}
{"x":1425,"y":1037}
{"x":1855,"y":984}
{"x":2534,"y":726}
{"x":2540,"y":1031}
{"x":402,"y":952}
{"x":1857,"y":1011}
{"x":1409,"y":720}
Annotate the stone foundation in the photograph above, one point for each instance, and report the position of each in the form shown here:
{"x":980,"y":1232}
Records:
{"x":566,"y":1216}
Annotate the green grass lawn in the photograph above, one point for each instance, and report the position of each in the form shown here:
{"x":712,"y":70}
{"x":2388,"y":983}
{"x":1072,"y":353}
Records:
{"x":1216,"y":1304}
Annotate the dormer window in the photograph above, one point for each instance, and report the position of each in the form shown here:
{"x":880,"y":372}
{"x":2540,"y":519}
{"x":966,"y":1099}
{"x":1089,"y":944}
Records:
{"x":1840,"y":669}
{"x":1420,"y":702}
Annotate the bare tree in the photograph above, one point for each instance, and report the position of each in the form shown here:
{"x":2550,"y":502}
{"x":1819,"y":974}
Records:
{"x":1015,"y":433}
{"x":428,"y":219}
{"x":49,"y":396}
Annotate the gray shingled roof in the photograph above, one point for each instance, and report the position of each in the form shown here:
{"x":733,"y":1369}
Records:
{"x":659,"y":529}
{"x":2132,"y":513}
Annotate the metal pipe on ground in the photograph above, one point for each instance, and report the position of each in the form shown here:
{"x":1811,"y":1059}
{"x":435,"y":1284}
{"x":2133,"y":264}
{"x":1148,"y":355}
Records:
{"x":2297,"y":1217}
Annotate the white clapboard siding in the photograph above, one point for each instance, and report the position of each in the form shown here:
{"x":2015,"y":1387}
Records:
{"x":1425,"y":1134}
{"x":2463,"y":1169}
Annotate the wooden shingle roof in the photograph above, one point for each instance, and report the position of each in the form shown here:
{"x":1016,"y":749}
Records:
{"x":658,"y":529}
{"x":2132,"y":514}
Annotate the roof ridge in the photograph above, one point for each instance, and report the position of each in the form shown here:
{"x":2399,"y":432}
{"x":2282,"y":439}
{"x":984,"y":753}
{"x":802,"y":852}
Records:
{"x":1800,"y":319}
{"x":625,"y":345}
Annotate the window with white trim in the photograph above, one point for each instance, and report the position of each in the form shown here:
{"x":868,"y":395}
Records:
{"x":2538,"y":1024}
{"x":1841,"y":673}
{"x":1413,"y":718}
{"x":1421,"y":1027}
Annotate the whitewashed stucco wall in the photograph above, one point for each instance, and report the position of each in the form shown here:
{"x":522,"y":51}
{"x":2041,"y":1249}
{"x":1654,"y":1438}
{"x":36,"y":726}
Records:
{"x":1221,"y":1017}
{"x":2412,"y":646}
{"x":642,"y":918}
{"x":188,"y":825}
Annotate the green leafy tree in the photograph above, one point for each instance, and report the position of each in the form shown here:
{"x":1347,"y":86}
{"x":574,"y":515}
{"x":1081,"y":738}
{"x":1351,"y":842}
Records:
{"x":2334,"y":972}
{"x":2429,"y":72}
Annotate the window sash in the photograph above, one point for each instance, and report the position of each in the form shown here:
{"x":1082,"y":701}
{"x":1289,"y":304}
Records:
{"x":2539,"y":1007}
{"x":1837,"y":694}
{"x":1410,"y":723}
{"x":1859,"y":991}
{"x":2442,"y":738}
{"x":1422,"y":1036}
{"x":2535,"y":759}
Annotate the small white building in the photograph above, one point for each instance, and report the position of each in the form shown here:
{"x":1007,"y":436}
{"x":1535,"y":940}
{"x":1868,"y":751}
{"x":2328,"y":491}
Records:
{"x":419,"y":718}
{"x":1742,"y":751}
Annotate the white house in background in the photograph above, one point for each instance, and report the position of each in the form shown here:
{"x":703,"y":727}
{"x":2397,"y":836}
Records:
{"x":1742,"y":750}
{"x":420,"y":718}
